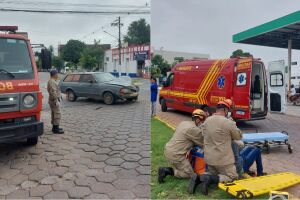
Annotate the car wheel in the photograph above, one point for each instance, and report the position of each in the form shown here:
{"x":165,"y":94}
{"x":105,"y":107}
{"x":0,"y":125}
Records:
{"x":108,"y":98}
{"x":71,"y":96}
{"x":163,"y":104}
{"x":290,"y":148}
{"x":32,"y":141}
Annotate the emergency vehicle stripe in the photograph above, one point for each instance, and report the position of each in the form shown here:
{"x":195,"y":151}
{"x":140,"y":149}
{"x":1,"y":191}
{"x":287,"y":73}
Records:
{"x":200,"y":90}
{"x":214,"y":74}
{"x":206,"y":76}
{"x":209,"y":80}
{"x":206,"y":82}
{"x":213,"y":79}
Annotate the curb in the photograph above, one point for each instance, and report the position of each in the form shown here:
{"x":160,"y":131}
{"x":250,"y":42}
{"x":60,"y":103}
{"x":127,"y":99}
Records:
{"x":165,"y":122}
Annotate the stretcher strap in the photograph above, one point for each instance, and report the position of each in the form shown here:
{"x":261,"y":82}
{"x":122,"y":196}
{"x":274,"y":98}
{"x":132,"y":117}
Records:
{"x":244,"y":194}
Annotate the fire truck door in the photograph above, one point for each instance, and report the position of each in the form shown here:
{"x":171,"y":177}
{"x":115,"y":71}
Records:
{"x":277,"y":86}
{"x":170,"y":98}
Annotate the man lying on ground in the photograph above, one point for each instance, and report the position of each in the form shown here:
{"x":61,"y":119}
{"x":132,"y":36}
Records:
{"x":245,"y":158}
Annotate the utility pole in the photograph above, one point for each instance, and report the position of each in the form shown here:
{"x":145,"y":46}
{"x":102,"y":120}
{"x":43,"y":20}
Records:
{"x":119,"y":24}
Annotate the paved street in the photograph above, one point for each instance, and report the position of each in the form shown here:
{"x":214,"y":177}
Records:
{"x":279,"y":160}
{"x":104,"y":153}
{"x":293,"y":110}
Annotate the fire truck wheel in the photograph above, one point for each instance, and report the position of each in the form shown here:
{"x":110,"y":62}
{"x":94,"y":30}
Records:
{"x":163,"y":104}
{"x":71,"y":96}
{"x":32,"y":141}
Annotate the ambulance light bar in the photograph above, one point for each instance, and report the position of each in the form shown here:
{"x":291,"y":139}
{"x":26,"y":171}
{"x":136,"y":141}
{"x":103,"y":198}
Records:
{"x":9,"y":28}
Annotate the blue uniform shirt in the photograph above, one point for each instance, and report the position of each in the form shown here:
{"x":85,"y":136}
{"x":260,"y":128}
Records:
{"x":154,"y":92}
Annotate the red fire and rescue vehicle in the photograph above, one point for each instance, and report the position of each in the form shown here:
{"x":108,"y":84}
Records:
{"x":202,"y":83}
{"x":20,"y":94}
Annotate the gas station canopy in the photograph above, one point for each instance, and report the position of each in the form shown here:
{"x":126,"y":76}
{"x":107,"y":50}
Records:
{"x":275,"y":33}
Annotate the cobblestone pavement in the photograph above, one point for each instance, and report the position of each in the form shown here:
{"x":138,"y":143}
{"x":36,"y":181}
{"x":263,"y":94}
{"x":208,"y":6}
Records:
{"x":104,"y":153}
{"x":279,"y":160}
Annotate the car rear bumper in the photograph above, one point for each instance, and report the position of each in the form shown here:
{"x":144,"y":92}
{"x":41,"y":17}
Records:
{"x":21,"y":131}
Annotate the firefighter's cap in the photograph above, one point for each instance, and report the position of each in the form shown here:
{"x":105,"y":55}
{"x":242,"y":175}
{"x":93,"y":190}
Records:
{"x":227,"y":102}
{"x":199,"y":113}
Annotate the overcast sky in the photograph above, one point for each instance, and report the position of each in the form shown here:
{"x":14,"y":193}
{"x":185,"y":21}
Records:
{"x":207,"y":26}
{"x":59,"y":28}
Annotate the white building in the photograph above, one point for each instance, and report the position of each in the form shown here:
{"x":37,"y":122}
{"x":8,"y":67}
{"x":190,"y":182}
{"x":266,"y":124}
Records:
{"x":295,"y":75}
{"x":170,"y":55}
{"x":134,"y":60}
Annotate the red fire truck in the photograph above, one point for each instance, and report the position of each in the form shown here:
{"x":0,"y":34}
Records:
{"x":20,"y":95}
{"x":202,"y":83}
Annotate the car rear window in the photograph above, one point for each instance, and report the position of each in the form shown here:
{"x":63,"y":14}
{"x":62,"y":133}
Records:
{"x":72,"y":78}
{"x":68,"y":78}
{"x":86,"y":78}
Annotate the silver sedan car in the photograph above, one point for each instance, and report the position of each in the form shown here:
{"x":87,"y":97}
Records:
{"x":97,"y":85}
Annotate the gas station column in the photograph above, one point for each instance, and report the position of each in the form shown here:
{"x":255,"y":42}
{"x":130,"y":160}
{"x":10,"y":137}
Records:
{"x":289,"y":61}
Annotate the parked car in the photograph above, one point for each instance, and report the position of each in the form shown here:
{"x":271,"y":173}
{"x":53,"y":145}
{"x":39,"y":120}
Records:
{"x":128,"y":80}
{"x":97,"y":85}
{"x":297,"y":88}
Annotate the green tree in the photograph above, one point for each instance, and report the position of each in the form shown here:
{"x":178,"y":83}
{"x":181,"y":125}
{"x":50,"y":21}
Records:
{"x":138,"y":32}
{"x":177,"y":60}
{"x":161,"y":63}
{"x":87,"y":61}
{"x":57,"y":62}
{"x":38,"y":61}
{"x":98,"y":53}
{"x":92,"y":57}
{"x":51,"y":49}
{"x":241,"y":53}
{"x":71,"y":52}
{"x":155,"y":72}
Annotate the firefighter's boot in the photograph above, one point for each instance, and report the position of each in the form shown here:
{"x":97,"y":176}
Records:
{"x":206,"y":180}
{"x":163,"y":172}
{"x":57,"y":130}
{"x":194,"y":182}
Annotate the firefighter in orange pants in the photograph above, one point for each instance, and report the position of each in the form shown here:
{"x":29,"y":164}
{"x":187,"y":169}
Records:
{"x":187,"y":135}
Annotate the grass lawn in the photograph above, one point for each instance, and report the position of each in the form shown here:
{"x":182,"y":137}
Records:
{"x":173,"y":188}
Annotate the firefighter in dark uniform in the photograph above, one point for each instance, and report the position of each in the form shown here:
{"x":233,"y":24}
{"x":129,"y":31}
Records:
{"x":54,"y":102}
{"x":187,"y":135}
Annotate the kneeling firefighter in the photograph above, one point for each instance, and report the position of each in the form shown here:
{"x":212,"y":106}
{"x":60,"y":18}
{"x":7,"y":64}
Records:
{"x":187,"y":135}
{"x":218,"y":134}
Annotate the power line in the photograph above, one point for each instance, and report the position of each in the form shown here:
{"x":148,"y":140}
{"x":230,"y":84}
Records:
{"x":97,"y":30}
{"x":110,"y":34}
{"x":76,"y":11}
{"x":71,"y":4}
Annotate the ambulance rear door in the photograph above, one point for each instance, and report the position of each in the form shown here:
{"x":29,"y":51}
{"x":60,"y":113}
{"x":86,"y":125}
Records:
{"x":241,"y":89}
{"x":277,"y":86}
